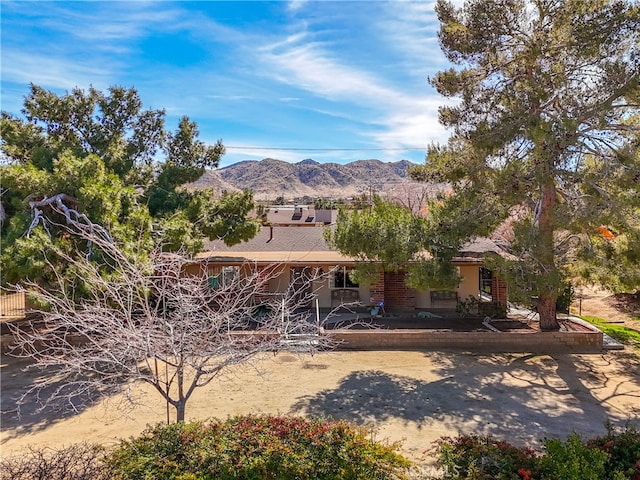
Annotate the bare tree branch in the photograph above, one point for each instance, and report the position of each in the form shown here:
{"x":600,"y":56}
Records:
{"x":152,"y":322}
{"x":75,"y":220}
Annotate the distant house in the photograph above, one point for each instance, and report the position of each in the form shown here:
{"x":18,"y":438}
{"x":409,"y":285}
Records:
{"x":300,"y":215}
{"x":293,"y":248}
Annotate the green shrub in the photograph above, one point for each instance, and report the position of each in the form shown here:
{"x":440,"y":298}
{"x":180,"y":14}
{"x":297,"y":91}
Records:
{"x":565,"y":299}
{"x":468,"y":307}
{"x":492,"y":309}
{"x":472,"y":457}
{"x":257,"y":447}
{"x":623,"y":448}
{"x":614,"y":456}
{"x":572,"y":459}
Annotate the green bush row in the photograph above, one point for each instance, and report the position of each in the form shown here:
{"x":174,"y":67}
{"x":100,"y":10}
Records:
{"x":245,"y":447}
{"x":269,"y":447}
{"x":614,"y":456}
{"x":257,"y":447}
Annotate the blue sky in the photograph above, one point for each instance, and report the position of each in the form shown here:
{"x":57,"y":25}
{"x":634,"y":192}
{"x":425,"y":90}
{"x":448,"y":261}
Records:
{"x":277,"y":75}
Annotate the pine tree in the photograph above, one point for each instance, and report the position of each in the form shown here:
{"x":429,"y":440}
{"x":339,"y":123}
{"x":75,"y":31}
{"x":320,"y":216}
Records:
{"x":543,"y":133}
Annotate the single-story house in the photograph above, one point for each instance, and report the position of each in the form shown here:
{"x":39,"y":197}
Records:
{"x":292,"y":249}
{"x":296,"y":215}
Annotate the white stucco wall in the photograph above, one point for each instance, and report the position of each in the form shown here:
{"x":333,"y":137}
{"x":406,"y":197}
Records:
{"x":470,"y":285}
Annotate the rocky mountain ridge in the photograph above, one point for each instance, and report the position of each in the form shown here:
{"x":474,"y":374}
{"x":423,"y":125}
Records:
{"x":270,"y":178}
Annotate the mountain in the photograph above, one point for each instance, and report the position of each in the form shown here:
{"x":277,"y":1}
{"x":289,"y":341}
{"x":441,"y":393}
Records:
{"x":270,"y":178}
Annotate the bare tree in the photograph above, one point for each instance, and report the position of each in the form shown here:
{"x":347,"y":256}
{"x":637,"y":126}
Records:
{"x":415,"y":196}
{"x":148,"y":321}
{"x":80,"y":461}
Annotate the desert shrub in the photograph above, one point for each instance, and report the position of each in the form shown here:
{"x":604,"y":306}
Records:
{"x":492,"y":309}
{"x":76,"y":462}
{"x":572,"y":459}
{"x":257,"y":447}
{"x":472,"y":457}
{"x":468,"y":307}
{"x":623,"y":447}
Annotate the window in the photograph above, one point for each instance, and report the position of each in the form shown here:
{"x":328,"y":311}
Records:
{"x":223,"y":277}
{"x":341,"y":278}
{"x":486,"y":276}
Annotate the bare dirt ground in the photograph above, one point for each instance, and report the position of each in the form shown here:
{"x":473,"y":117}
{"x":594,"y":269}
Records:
{"x":600,"y":303}
{"x":410,"y":397}
{"x":407,"y":397}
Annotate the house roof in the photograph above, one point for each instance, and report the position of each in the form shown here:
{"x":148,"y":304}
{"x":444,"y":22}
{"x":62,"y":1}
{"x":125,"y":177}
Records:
{"x":478,"y":246}
{"x":299,"y":215}
{"x":276,"y":244}
{"x":277,"y":238}
{"x":298,"y":244}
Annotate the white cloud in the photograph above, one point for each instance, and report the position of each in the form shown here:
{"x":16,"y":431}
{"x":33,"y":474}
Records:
{"x":411,"y":30}
{"x":53,"y":72}
{"x":310,"y":68}
{"x":231,"y":97}
{"x":118,"y":23}
{"x":273,"y":74}
{"x":295,"y":5}
{"x":234,"y":155}
{"x":399,"y":118}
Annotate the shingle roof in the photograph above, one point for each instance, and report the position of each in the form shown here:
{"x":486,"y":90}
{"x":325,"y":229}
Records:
{"x":478,"y":246}
{"x":306,"y":258}
{"x":275,"y":244}
{"x":306,"y":244}
{"x":277,"y":239}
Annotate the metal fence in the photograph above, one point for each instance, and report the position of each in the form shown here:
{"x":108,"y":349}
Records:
{"x":12,"y":305}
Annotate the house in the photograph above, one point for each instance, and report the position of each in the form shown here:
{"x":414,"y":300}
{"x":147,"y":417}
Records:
{"x":294,"y":248}
{"x":298,"y":215}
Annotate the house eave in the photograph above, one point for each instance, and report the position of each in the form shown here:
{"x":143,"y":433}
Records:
{"x":270,"y":258}
{"x":297,"y":258}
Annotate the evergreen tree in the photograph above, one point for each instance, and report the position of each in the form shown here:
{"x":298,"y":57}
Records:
{"x":96,"y":158}
{"x":390,"y":237}
{"x":543,"y":132}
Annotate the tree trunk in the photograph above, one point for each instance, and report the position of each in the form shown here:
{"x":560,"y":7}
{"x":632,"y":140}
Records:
{"x":547,"y":312}
{"x":181,"y":404}
{"x":181,"y":407}
{"x":545,"y":253}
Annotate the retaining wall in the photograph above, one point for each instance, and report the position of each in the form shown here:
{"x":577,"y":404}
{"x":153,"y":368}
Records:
{"x":542,"y":342}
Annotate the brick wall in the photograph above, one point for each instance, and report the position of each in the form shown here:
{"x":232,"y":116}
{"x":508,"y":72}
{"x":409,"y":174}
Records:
{"x":499,"y":290}
{"x":396,"y":293}
{"x":377,"y":289}
{"x":543,"y":342}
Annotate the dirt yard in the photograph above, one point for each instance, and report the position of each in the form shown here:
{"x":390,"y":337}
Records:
{"x":623,"y":307}
{"x":410,"y":397}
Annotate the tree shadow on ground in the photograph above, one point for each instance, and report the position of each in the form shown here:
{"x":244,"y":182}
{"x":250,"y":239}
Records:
{"x":521,"y":398}
{"x":30,"y":416}
{"x":627,"y":302}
